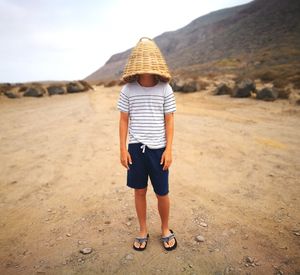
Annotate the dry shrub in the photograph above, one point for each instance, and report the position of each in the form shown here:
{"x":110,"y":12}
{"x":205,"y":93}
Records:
{"x":268,"y":76}
{"x":296,"y":81}
{"x":35,"y":91}
{"x":87,"y":86}
{"x":211,"y":75}
{"x":23,"y":88}
{"x":228,"y":62}
{"x":280,"y":83}
{"x":75,"y":87}
{"x":283,"y":93}
{"x":4,"y":87}
{"x":203,"y":84}
{"x":121,"y":83}
{"x":242,"y":76}
{"x":56,"y":90}
{"x":111,"y":83}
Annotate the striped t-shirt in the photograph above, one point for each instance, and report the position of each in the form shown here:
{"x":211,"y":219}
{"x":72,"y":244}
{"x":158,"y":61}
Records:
{"x":146,"y":107}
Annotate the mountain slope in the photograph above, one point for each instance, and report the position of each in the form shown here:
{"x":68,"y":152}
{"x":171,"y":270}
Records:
{"x":262,"y":32}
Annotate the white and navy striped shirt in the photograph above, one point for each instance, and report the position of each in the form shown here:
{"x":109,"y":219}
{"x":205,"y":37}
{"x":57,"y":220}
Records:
{"x":146,"y":107}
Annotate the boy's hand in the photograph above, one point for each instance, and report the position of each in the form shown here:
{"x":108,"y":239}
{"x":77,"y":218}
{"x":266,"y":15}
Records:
{"x":166,"y":159}
{"x":125,"y":158}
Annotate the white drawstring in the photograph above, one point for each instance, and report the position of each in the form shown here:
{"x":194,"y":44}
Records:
{"x":143,"y":147}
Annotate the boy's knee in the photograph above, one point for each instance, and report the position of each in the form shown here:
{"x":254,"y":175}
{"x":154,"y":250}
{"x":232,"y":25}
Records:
{"x":162,"y":196}
{"x":140,"y":192}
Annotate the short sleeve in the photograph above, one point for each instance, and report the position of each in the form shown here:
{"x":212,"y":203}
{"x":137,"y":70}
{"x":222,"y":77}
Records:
{"x":123,"y":102}
{"x":169,"y":100}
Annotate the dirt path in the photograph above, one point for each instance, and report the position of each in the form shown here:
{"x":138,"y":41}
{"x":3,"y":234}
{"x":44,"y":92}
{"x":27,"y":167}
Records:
{"x":236,"y":169}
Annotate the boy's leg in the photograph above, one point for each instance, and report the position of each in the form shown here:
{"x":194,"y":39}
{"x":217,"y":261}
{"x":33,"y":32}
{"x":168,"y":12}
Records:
{"x":163,"y":203}
{"x":160,"y":181}
{"x":141,"y":207}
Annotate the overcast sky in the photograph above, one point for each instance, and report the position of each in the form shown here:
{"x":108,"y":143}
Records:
{"x":70,"y":39}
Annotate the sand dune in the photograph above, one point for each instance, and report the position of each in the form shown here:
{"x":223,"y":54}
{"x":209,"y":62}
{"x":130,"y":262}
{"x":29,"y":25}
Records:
{"x":236,"y":168}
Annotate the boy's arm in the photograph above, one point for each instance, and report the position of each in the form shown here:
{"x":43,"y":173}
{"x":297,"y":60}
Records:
{"x":166,"y":158}
{"x":123,"y":129}
{"x":169,"y":118}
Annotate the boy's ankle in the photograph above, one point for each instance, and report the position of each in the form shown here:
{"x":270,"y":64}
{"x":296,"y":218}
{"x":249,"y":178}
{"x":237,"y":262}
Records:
{"x":165,"y":231}
{"x":143,"y":232}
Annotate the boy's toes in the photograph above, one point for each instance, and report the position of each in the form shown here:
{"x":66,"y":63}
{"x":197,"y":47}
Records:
{"x":142,"y":245}
{"x":137,"y":245}
{"x":171,"y":242}
{"x":166,"y":244}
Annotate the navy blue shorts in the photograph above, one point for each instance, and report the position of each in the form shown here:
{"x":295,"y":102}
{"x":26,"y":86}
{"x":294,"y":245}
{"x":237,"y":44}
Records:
{"x":146,"y":164}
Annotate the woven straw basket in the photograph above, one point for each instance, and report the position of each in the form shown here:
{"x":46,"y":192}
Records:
{"x":146,"y":58}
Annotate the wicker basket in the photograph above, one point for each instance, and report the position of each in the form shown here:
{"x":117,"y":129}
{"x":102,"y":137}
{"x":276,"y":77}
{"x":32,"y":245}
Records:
{"x":146,"y":58}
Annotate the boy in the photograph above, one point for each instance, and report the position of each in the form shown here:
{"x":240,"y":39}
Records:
{"x":146,"y":105}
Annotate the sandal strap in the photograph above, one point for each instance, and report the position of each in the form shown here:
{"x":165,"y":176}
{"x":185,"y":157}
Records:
{"x":141,"y":240}
{"x":168,"y":238}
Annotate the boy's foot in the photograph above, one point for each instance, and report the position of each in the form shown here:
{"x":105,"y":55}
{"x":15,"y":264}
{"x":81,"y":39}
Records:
{"x":169,"y":241}
{"x":140,"y":243}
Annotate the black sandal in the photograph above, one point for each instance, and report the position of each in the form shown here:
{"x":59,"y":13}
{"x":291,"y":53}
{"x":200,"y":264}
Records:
{"x":167,"y":239}
{"x":140,"y":240}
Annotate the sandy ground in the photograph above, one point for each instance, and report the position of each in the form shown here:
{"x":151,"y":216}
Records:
{"x":236,"y":169}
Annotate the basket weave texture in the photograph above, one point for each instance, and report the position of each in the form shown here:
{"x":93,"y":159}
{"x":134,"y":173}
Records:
{"x":146,"y":58}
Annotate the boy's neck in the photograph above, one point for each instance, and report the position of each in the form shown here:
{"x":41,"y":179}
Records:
{"x":147,"y":80}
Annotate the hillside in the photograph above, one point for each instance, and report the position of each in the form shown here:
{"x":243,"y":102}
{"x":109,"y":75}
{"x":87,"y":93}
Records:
{"x":248,"y":39}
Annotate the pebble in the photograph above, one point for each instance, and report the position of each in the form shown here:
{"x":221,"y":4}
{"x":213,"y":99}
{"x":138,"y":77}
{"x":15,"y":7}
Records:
{"x":297,"y":233}
{"x":68,"y":235}
{"x":128,"y":223}
{"x":129,"y":257}
{"x":228,"y":269}
{"x":278,"y":271}
{"x":86,"y":250}
{"x":203,"y":224}
{"x":232,"y":231}
{"x":200,"y":238}
{"x":80,"y":260}
{"x":249,"y":260}
{"x":245,"y":237}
